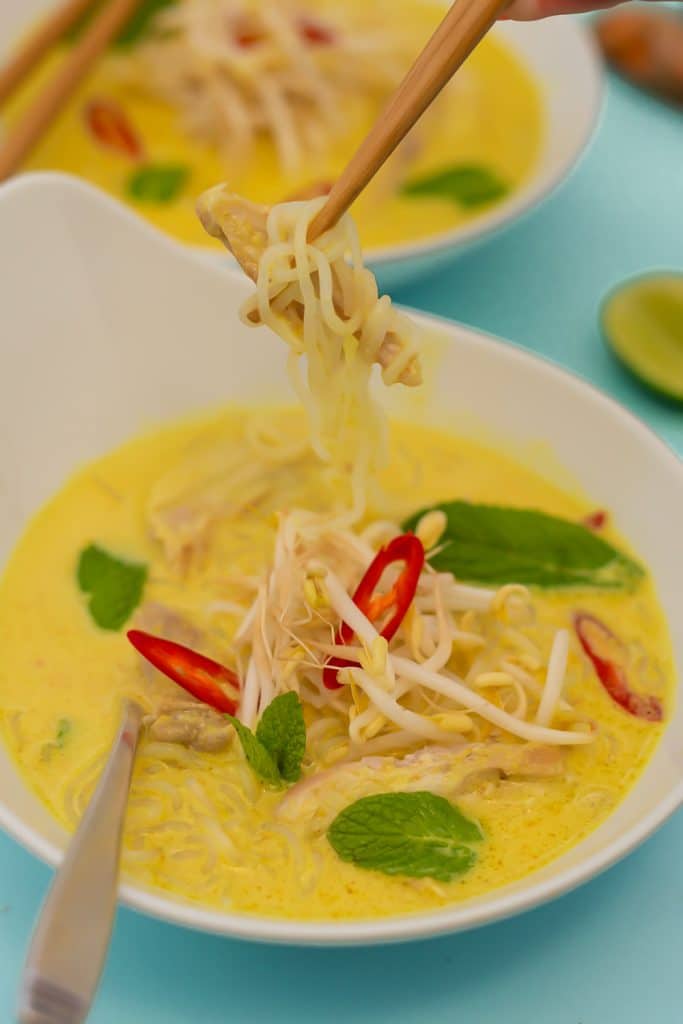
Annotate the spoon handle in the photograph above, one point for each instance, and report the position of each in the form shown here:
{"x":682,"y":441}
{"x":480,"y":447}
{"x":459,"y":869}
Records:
{"x":71,"y":939}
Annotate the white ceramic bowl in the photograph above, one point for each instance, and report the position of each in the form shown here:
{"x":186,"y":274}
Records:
{"x":562,"y":55}
{"x":107,"y":327}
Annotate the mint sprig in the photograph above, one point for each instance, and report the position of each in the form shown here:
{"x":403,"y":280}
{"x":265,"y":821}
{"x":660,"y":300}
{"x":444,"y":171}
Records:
{"x":493,"y":544}
{"x":282,"y":732}
{"x":115,"y":587}
{"x":257,"y":754}
{"x":158,"y":183}
{"x":62,"y":734}
{"x":276,"y":750}
{"x":467,"y":185}
{"x":419,"y":835}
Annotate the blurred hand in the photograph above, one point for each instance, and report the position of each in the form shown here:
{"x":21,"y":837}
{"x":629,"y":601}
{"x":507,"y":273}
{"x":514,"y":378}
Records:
{"x":529,"y":10}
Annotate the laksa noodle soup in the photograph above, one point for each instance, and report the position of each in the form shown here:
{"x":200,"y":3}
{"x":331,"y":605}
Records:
{"x":384,"y":669}
{"x":276,"y":95}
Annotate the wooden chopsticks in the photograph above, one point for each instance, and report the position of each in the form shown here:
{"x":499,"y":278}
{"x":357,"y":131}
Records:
{"x":463,"y":27}
{"x":24,"y":135}
{"x":39,"y":42}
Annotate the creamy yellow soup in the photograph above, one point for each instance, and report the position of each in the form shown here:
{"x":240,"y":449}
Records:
{"x":492,"y":118}
{"x":200,"y":825}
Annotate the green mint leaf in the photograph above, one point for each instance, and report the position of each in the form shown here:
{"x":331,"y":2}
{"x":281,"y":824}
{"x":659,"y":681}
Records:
{"x":466,"y":184}
{"x":419,"y":835}
{"x":491,"y":544}
{"x":157,"y":183}
{"x":282,"y":732}
{"x":134,"y":29}
{"x":276,"y":751}
{"x":115,"y":587}
{"x":258,"y":756}
{"x":62,"y":734}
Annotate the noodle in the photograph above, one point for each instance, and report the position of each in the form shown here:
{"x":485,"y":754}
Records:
{"x":328,"y":310}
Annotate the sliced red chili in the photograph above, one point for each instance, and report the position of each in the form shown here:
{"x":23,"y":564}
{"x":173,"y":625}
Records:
{"x":108,"y":123}
{"x":609,"y":658}
{"x":405,"y":548}
{"x":595,"y":520}
{"x":246,"y":38}
{"x":246,"y":31}
{"x":205,"y":679}
{"x":315,"y":33}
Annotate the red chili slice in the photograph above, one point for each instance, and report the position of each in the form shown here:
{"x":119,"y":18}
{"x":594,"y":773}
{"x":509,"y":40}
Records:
{"x":609,"y":659}
{"x":405,"y":548}
{"x":246,"y":38}
{"x":315,"y":33}
{"x":205,"y":679}
{"x":109,"y":125}
{"x":595,"y":520}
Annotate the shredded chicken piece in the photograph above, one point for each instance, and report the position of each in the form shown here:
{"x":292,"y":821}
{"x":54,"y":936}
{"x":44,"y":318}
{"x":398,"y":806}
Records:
{"x":242,"y":226}
{"x":208,"y":486}
{"x":238,"y":71}
{"x":155,"y":617}
{"x":191,"y":725}
{"x":238,"y":223}
{"x":438,"y":769}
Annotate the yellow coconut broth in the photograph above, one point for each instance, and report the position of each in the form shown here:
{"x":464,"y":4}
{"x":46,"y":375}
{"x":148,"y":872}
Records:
{"x":201,"y":826}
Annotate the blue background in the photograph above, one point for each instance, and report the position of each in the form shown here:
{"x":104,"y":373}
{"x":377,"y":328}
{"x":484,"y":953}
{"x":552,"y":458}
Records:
{"x":610,"y":952}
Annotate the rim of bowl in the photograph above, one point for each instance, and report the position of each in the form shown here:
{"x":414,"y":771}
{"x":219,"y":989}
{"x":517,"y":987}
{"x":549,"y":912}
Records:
{"x":498,"y":904}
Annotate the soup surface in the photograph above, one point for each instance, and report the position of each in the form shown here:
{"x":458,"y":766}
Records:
{"x":479,"y":143}
{"x":201,"y":825}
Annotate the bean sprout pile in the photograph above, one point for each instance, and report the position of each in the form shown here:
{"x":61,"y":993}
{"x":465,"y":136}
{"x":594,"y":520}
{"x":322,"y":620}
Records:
{"x":466,"y":664}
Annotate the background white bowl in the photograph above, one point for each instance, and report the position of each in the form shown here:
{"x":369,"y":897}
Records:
{"x":108,"y":327}
{"x":564,"y":58}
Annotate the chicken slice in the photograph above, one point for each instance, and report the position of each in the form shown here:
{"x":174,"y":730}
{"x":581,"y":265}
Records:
{"x":241,"y":226}
{"x":214,"y":482}
{"x":238,"y":223}
{"x":191,"y":725}
{"x":439,"y":770}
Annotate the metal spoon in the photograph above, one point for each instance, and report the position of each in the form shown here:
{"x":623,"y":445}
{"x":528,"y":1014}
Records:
{"x":71,"y":939}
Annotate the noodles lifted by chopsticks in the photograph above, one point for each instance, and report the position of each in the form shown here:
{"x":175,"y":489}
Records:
{"x":328,"y":310}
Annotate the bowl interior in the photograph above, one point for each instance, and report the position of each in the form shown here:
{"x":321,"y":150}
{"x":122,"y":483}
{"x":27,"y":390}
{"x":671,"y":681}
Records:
{"x":563,"y":57}
{"x":109,"y":328}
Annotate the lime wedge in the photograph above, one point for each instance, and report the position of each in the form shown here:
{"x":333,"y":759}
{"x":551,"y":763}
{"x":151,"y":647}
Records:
{"x":642,"y":321}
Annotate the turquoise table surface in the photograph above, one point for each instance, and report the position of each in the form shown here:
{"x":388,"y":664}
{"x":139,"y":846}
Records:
{"x":613,"y":950}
